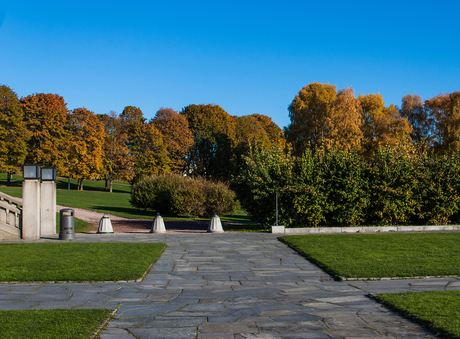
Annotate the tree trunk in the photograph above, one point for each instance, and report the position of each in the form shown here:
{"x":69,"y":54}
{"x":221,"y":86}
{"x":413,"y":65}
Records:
{"x":106,"y":181}
{"x":8,"y":178}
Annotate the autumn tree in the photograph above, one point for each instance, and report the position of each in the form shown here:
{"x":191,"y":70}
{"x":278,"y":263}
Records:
{"x":309,"y":112}
{"x":382,"y":126}
{"x":213,"y":132}
{"x":46,"y":119}
{"x":444,"y":110}
{"x":145,"y":143}
{"x":87,"y":140}
{"x":255,"y":130}
{"x":453,"y":127}
{"x":13,"y":134}
{"x":422,"y":124}
{"x":116,"y":160}
{"x":345,"y":122}
{"x":177,"y":136}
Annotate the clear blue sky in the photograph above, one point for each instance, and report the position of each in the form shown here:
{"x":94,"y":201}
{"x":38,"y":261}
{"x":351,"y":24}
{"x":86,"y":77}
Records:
{"x":246,"y":56}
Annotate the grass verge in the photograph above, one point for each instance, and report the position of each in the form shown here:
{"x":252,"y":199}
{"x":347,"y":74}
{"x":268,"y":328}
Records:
{"x":94,"y":198}
{"x":79,"y":225}
{"x":436,"y":310}
{"x":77,"y":261}
{"x":381,"y":255}
{"x":51,"y":324}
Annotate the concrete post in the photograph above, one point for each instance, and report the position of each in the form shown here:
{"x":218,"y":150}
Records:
{"x":31,"y":210}
{"x":48,"y":208}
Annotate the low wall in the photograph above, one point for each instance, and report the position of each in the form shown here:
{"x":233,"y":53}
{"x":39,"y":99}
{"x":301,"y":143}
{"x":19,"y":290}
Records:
{"x":376,"y":229}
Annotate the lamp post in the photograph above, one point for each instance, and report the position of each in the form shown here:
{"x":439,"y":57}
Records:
{"x":31,"y":202}
{"x":48,"y":202}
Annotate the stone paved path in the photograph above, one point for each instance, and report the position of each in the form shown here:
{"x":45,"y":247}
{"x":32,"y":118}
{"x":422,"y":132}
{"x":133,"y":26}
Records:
{"x":231,"y":285}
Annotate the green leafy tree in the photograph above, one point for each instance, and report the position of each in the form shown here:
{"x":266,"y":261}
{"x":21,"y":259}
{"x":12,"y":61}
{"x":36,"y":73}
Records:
{"x":46,"y":118}
{"x":308,"y":193}
{"x":437,"y":192}
{"x":392,"y":184}
{"x":213,"y":131}
{"x":266,"y":173}
{"x":13,"y":134}
{"x":346,"y":182}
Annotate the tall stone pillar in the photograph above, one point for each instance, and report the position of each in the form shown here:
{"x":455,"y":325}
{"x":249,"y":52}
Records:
{"x":48,"y":208}
{"x":31,"y":210}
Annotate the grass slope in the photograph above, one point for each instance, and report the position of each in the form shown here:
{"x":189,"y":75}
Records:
{"x":436,"y":310}
{"x":77,"y":261}
{"x":51,"y":324}
{"x":382,"y":255}
{"x":96,"y":198}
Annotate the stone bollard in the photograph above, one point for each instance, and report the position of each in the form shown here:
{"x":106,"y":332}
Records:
{"x":105,"y":225}
{"x":158,"y":225}
{"x":215,"y":226}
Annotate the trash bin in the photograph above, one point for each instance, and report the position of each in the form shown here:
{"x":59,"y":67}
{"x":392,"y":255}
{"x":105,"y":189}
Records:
{"x":67,"y":224}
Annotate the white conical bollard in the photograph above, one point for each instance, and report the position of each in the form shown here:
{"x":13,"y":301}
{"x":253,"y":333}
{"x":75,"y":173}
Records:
{"x":105,"y":225}
{"x":215,"y":225}
{"x":158,"y":225}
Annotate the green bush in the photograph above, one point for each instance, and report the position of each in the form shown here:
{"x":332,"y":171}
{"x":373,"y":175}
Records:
{"x":190,"y":199}
{"x":266,"y":172}
{"x":174,"y":194}
{"x":438,"y":188}
{"x":329,"y":188}
{"x":156,"y":193}
{"x":392,"y":181}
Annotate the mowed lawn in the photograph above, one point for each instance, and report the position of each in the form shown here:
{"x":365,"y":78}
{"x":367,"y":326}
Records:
{"x":382,"y":255}
{"x":77,"y":261}
{"x":51,"y":324}
{"x":436,"y":310}
{"x":94,"y":197}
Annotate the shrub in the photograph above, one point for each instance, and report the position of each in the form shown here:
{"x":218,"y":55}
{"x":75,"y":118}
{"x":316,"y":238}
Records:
{"x":174,"y":194}
{"x":265,"y":173}
{"x":219,"y":199}
{"x":190,"y":199}
{"x":155,"y":193}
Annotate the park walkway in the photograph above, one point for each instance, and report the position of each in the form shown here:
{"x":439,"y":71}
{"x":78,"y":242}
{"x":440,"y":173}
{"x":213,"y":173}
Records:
{"x":230,"y":285}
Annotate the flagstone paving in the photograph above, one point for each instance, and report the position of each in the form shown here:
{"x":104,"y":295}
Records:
{"x":230,"y":285}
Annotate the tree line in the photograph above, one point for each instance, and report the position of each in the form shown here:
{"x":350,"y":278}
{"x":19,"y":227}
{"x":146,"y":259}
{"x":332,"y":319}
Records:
{"x":201,"y":140}
{"x":322,"y":118}
{"x":204,"y":140}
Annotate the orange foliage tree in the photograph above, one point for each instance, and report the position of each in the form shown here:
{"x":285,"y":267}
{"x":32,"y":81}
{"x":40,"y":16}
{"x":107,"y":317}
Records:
{"x":87,"y":140}
{"x":177,"y":136}
{"x":145,"y":143}
{"x":46,"y":119}
{"x":116,"y":160}
{"x":13,"y":134}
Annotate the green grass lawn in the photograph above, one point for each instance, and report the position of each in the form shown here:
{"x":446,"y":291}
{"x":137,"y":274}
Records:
{"x":51,"y":324}
{"x":79,"y":225}
{"x":436,"y":310}
{"x":77,"y":261}
{"x":95,"y":198}
{"x":382,"y":255}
